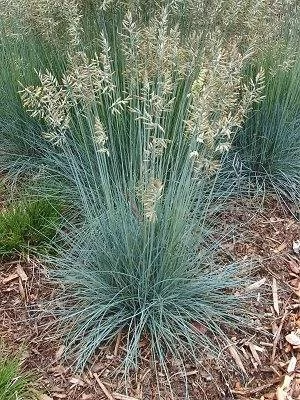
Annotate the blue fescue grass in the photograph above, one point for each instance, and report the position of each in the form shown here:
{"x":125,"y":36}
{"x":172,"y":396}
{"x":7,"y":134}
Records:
{"x":267,"y":148}
{"x":21,"y":143}
{"x":149,"y":280}
{"x":143,"y":266}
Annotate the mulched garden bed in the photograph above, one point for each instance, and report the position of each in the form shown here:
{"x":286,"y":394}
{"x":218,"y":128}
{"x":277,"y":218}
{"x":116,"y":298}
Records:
{"x":262,"y":365}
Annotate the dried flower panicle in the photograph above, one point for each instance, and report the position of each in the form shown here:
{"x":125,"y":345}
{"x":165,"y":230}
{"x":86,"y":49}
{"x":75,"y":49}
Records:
{"x":157,"y":145}
{"x":85,"y":79}
{"x":100,"y":137}
{"x":202,"y":164}
{"x":55,"y":137}
{"x":220,"y":99}
{"x":259,"y":25}
{"x":70,"y":11}
{"x":82,"y":83}
{"x":49,"y":102}
{"x":156,"y":50}
{"x":56,"y":21}
{"x":215,"y":95}
{"x":155,"y":149}
{"x":149,"y":195}
{"x":156,"y":58}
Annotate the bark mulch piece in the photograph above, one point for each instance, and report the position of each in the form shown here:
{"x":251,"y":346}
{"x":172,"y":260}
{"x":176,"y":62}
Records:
{"x":262,"y":365}
{"x":267,"y":238}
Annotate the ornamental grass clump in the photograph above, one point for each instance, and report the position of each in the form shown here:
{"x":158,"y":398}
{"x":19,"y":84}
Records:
{"x":138,"y":133}
{"x":22,"y":146}
{"x":150,"y":277}
{"x":267,"y":148}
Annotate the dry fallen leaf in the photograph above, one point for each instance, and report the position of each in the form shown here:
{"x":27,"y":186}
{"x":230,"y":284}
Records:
{"x":119,"y":396}
{"x":254,"y":353}
{"x":296,"y":387}
{"x":292,"y":365}
{"x":296,"y":246}
{"x":294,"y":338}
{"x":282,"y":391}
{"x":295,"y":283}
{"x":294,"y":267}
{"x":57,"y":389}
{"x":281,"y":247}
{"x":59,"y":352}
{"x":258,"y":348}
{"x":10,"y":278}
{"x":77,"y":381}
{"x":199,"y":327}
{"x":269,"y":396}
{"x":22,"y":273}
{"x":60,"y":395}
{"x":45,"y":397}
{"x":103,"y":388}
{"x":256,"y":285}
{"x":236,"y":357}
{"x":58,"y":369}
{"x":21,"y":290}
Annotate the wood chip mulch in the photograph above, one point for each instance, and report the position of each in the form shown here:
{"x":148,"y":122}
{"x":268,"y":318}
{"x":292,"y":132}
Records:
{"x":262,"y":365}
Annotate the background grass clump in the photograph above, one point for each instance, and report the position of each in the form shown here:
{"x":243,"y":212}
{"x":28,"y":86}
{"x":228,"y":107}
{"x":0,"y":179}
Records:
{"x":27,"y":224}
{"x":22,"y":146}
{"x":14,"y":383}
{"x":267,"y":148}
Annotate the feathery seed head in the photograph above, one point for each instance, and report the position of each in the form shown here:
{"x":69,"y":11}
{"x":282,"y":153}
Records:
{"x":100,"y":137}
{"x":149,"y":195}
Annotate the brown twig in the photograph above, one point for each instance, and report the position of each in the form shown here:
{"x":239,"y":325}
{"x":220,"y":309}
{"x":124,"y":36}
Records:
{"x":119,"y":396}
{"x":103,"y":388}
{"x":117,"y":343}
{"x":257,"y":389}
{"x":277,"y":336}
